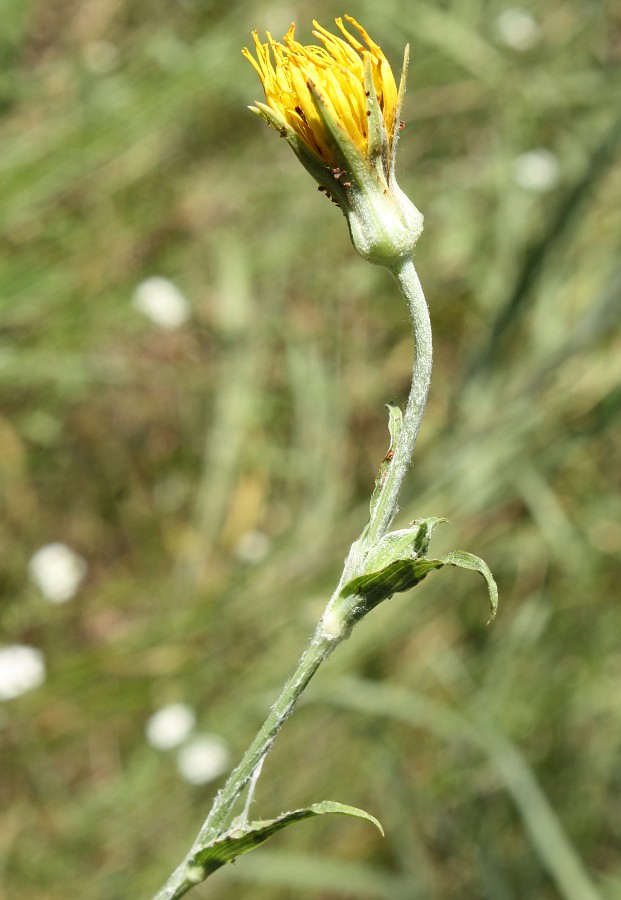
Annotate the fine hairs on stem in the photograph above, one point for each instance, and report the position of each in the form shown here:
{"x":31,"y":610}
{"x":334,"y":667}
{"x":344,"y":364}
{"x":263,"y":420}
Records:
{"x":336,"y":621}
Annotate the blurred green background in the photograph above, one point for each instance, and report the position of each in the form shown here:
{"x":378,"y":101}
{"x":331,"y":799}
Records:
{"x":211,"y":465}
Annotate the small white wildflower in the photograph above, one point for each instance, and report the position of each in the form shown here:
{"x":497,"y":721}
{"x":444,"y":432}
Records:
{"x":203,"y":759}
{"x":57,"y":571}
{"x":538,"y":170}
{"x":22,"y":669}
{"x":253,"y":546}
{"x":162,"y":302}
{"x":170,"y":726}
{"x":516,"y":28}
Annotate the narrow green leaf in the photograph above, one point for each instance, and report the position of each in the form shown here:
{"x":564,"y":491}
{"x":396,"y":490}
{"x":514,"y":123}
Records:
{"x":403,"y":574}
{"x":341,"y":142}
{"x":400,"y":575}
{"x":405,"y":543}
{"x":401,"y":545}
{"x":309,"y":160}
{"x":465,"y":560}
{"x":238,"y":841}
{"x":393,"y":546}
{"x":377,"y":147}
{"x":395,"y":424}
{"x":425,"y":530}
{"x":396,"y":125}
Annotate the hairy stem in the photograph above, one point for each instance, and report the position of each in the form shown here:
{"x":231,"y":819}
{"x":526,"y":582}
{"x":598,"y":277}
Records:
{"x":219,"y":817}
{"x":333,"y":627}
{"x":387,"y":505}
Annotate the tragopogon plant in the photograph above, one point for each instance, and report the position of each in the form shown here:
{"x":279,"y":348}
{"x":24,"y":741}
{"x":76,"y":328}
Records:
{"x":338,"y":107}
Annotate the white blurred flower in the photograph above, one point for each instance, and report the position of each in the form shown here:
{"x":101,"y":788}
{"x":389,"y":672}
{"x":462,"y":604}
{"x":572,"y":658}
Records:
{"x":162,"y":302}
{"x":57,"y":571}
{"x":22,"y":669}
{"x":203,"y":759}
{"x":253,"y":546}
{"x":517,"y":29}
{"x":170,"y":726}
{"x":538,"y":170}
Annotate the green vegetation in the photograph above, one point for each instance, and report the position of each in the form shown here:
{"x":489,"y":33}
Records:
{"x":214,"y":475}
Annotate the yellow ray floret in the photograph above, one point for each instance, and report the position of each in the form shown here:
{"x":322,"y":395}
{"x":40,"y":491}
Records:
{"x":337,"y":70}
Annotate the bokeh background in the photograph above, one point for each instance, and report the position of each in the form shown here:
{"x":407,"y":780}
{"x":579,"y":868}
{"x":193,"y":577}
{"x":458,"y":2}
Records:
{"x":193,"y":368}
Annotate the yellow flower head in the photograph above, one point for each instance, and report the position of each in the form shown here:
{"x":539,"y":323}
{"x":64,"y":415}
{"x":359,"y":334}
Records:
{"x":339,"y":109}
{"x":293,"y":75}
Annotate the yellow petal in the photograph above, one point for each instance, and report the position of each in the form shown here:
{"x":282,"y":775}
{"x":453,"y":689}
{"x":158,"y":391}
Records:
{"x":337,"y":69}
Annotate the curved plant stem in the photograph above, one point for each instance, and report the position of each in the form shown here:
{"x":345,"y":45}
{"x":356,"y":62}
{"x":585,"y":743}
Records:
{"x":333,"y":627}
{"x":219,"y":817}
{"x":387,"y":505}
